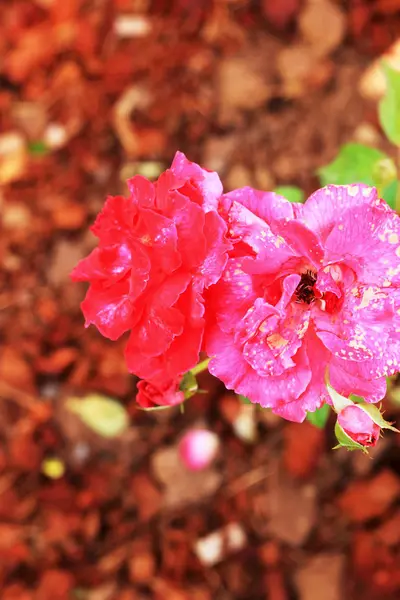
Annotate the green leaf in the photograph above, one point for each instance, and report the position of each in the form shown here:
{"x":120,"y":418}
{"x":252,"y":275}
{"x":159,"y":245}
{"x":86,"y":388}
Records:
{"x":320,"y":416}
{"x":103,"y":415}
{"x":38,"y":148}
{"x":389,"y":194}
{"x":200,"y":367}
{"x":384,"y":172}
{"x":244,"y":400}
{"x":339,"y":402}
{"x":290,"y":192}
{"x":389,"y":106}
{"x":375,"y":414}
{"x":356,"y":399}
{"x":355,"y":163}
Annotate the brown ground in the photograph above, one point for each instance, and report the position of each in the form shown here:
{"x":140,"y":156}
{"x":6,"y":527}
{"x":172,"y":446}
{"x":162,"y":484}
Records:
{"x":264,"y":94}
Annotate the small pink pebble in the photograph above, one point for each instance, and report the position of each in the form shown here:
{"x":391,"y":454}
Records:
{"x":198,"y":448}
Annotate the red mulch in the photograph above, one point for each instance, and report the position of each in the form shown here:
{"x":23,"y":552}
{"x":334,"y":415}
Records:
{"x":92,"y":92}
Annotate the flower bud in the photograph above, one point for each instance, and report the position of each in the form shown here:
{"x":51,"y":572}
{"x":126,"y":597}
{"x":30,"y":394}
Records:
{"x":198,"y":448}
{"x":358,"y":425}
{"x":153,"y":395}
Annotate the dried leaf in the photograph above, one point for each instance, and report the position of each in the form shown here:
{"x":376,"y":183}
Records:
{"x":104,"y":415}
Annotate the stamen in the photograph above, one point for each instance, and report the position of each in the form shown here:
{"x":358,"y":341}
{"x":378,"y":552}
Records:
{"x":305,"y":290}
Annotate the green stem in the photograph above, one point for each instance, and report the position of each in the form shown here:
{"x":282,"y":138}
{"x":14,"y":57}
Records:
{"x":202,"y":366}
{"x":397,"y":201}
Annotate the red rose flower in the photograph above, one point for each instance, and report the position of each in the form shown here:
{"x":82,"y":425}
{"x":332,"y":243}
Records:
{"x":158,"y":249}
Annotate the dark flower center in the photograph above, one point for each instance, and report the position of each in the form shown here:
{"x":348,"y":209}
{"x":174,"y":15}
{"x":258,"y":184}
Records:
{"x":305,"y":290}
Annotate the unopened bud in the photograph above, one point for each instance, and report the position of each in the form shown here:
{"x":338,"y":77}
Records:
{"x":359,"y":426}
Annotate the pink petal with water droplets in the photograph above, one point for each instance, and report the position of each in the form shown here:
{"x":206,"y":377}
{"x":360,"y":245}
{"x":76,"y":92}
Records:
{"x":302,"y":241}
{"x":268,"y":206}
{"x":271,"y":335}
{"x":233,"y":295}
{"x":273,"y":392}
{"x":345,"y":379}
{"x":360,"y":331}
{"x":368,"y":240}
{"x":327,"y":207}
{"x":245,"y":226}
{"x":319,"y":357}
{"x":326,"y":283}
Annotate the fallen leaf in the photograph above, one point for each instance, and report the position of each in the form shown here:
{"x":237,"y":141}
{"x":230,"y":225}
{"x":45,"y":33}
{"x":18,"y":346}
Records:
{"x":321,"y":577}
{"x":55,"y":584}
{"x":181,"y":485}
{"x":141,"y":566}
{"x":281,"y":13}
{"x":243,"y":83}
{"x":303,"y":445}
{"x":323,"y":26}
{"x":367,"y":499}
{"x":147,"y":497}
{"x":59,"y":360}
{"x":104,"y":415}
{"x":291,"y":508}
{"x":13,"y":157}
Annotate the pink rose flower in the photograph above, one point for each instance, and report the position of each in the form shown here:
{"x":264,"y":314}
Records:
{"x":307,"y":287}
{"x":163,"y":393}
{"x":158,"y":250}
{"x":358,"y":425}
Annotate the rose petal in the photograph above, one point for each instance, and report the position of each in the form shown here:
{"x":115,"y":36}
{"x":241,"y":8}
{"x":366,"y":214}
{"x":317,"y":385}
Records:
{"x":346,"y":379}
{"x":207,"y":182}
{"x":327,"y":207}
{"x":109,"y":309}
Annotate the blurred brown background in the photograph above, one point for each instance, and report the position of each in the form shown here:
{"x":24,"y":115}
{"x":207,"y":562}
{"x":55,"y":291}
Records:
{"x":92,"y":92}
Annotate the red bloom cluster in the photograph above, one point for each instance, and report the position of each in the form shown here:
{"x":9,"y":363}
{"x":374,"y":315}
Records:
{"x":276,"y":293}
{"x":159,"y":249}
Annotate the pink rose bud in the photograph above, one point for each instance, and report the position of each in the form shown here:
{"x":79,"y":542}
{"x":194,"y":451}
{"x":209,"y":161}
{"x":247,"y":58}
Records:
{"x":198,"y":448}
{"x":358,"y":425}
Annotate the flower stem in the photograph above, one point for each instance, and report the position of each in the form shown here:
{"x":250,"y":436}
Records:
{"x":397,"y":201}
{"x":199,"y":368}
